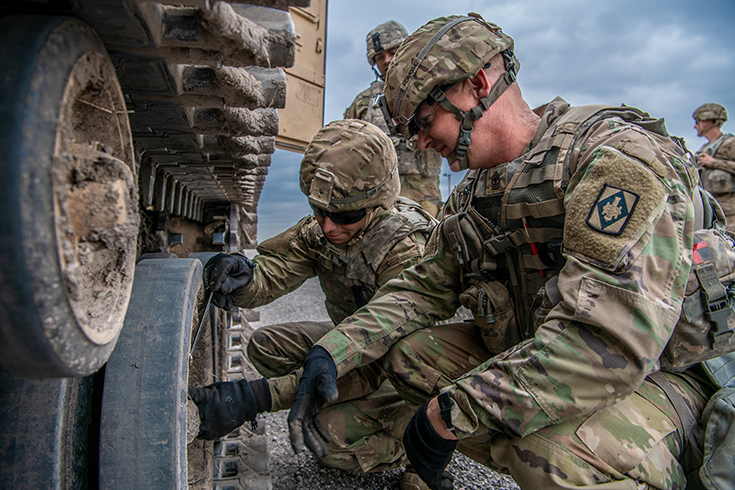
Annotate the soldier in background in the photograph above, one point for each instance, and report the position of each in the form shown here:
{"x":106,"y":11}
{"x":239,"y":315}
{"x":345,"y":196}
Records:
{"x":419,"y":170}
{"x":571,"y":240}
{"x":360,"y":236}
{"x":716,"y":158}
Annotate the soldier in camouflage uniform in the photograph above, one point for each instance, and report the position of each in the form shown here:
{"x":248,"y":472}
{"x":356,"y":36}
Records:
{"x":360,"y":236}
{"x":716,"y":158}
{"x":419,"y":170}
{"x":571,"y":239}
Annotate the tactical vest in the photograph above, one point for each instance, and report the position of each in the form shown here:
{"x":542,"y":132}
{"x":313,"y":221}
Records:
{"x":509,"y":226}
{"x":348,"y":274}
{"x":411,"y":161}
{"x":715,"y":180}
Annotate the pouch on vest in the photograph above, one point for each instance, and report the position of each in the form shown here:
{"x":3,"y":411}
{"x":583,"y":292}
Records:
{"x":546,"y":299}
{"x":487,"y":299}
{"x":710,"y":454}
{"x":706,"y":327}
{"x":490,"y":303}
{"x":717,"y":181}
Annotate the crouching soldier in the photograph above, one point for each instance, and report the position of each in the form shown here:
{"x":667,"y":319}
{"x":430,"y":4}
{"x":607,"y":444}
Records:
{"x":360,"y":236}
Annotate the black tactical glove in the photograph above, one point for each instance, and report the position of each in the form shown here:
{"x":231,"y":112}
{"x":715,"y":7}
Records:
{"x":428,"y":452}
{"x":225,"y":273}
{"x":225,"y":406}
{"x":318,"y":385}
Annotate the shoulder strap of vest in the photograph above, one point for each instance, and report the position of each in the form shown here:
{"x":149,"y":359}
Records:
{"x":405,"y":218}
{"x":626,"y":113}
{"x":718,"y":143}
{"x":465,"y":190}
{"x":421,"y":219}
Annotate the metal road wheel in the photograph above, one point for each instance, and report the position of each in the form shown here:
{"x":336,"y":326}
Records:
{"x":68,"y":193}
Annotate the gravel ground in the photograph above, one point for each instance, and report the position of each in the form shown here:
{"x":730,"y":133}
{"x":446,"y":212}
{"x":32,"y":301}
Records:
{"x":290,"y":471}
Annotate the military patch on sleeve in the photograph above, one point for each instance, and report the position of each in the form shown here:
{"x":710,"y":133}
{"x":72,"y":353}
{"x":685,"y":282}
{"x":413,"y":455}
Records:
{"x":608,"y":213}
{"x":611,"y":210}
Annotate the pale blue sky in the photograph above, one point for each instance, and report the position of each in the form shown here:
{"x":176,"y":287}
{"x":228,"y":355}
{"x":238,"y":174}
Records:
{"x":664,"y":56}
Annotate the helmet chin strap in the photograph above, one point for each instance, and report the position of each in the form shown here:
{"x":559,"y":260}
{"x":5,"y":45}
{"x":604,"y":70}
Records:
{"x":378,"y":76}
{"x":467,"y":118}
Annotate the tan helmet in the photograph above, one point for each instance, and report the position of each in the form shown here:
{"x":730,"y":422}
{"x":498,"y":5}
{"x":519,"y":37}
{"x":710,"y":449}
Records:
{"x":387,"y":35}
{"x":711,"y":112}
{"x":350,"y":165}
{"x":439,"y":54}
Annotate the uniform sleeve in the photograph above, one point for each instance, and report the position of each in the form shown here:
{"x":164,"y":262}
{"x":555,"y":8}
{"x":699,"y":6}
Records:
{"x":628,"y":238}
{"x":404,"y":254}
{"x":725,"y":156}
{"x":350,"y":112}
{"x":359,"y":106}
{"x":282,"y":265}
{"x":416,"y":299}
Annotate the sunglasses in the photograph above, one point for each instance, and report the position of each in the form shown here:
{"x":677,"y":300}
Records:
{"x":344,"y":218}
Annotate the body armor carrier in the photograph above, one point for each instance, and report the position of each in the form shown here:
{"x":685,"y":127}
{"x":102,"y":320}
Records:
{"x":715,"y":180}
{"x":507,"y":234}
{"x":348,"y":275}
{"x":411,"y":161}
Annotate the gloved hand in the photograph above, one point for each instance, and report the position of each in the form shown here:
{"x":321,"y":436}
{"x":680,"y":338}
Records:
{"x":225,"y":273}
{"x":428,"y":452}
{"x":318,"y":385}
{"x":223,"y":407}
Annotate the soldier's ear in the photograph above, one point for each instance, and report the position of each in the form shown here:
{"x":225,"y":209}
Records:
{"x":480,"y":84}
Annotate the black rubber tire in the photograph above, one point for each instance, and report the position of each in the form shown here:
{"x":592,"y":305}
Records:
{"x":43,"y":331}
{"x":45,"y":432}
{"x":143,"y":422}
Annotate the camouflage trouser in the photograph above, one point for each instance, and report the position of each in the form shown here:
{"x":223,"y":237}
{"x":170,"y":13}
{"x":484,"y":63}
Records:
{"x":367,"y":420}
{"x":625,"y":446}
{"x":424,"y":190}
{"x":727,"y":201}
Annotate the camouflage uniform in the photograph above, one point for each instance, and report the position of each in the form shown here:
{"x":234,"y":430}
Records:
{"x":367,"y":421}
{"x":419,"y":170}
{"x":574,"y":258}
{"x":576,"y":389}
{"x":719,"y":178}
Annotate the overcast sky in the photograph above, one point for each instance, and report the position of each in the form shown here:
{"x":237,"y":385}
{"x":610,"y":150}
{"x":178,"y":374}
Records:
{"x":664,"y":56}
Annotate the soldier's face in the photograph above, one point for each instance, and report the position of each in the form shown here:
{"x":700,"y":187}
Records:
{"x":340,"y":234}
{"x":495,"y":138}
{"x":383,"y":59}
{"x":439,"y":128}
{"x":703,"y":126}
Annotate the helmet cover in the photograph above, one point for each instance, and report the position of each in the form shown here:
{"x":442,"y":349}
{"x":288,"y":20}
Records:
{"x":387,"y":35}
{"x":711,"y":112}
{"x":349,"y":165}
{"x":442,"y":52}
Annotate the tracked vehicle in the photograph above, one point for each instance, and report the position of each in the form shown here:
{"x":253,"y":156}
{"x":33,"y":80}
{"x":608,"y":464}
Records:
{"x":136,"y":138}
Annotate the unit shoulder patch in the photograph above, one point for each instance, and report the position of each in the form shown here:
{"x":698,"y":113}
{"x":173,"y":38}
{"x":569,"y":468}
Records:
{"x":612,"y":210}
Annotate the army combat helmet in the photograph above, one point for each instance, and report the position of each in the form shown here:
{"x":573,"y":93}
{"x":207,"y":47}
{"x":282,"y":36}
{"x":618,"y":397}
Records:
{"x":387,"y":35}
{"x":439,"y":54}
{"x":350,"y":165}
{"x":711,"y":112}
